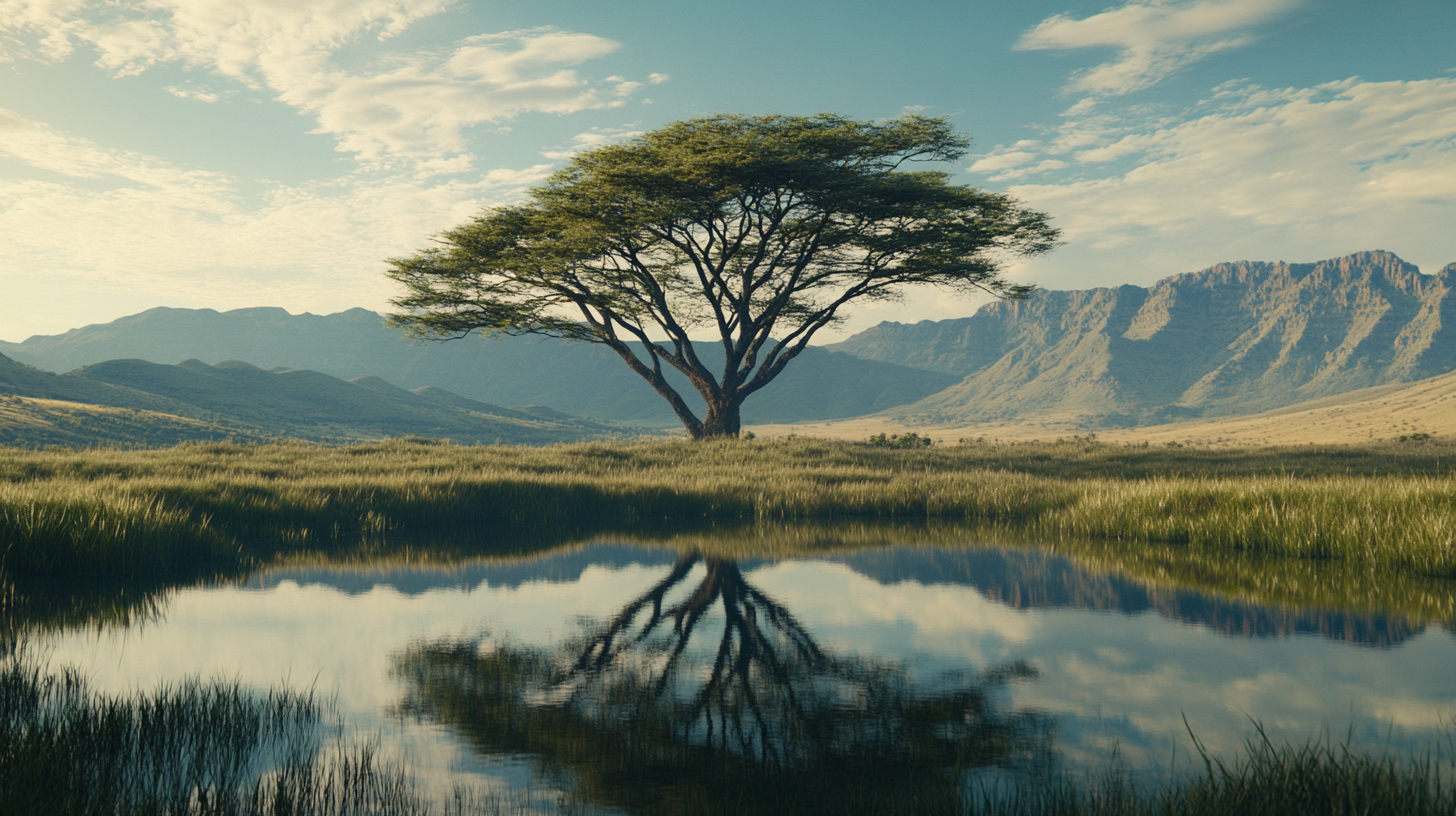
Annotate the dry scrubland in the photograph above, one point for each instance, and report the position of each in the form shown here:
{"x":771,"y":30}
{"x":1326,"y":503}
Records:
{"x":1390,"y":506}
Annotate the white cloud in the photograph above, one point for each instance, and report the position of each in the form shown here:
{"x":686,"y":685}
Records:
{"x":1001,"y":161}
{"x":1294,"y":174}
{"x":415,"y":105}
{"x":658,"y":79}
{"x":1153,"y":39}
{"x":134,"y":224}
{"x":596,"y":137}
{"x":191,"y":93}
{"x":42,"y":147}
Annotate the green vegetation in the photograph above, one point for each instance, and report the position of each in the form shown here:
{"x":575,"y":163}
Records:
{"x":1384,"y":507}
{"x":1269,"y":780}
{"x":905,"y":440}
{"x":756,"y":230}
{"x":1369,"y":530}
{"x":210,"y":749}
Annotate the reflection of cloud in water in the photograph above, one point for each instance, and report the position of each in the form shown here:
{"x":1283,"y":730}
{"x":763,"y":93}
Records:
{"x":1117,"y":661}
{"x":1133,"y":677}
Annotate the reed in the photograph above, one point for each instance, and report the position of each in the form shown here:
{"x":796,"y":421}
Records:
{"x":196,"y":749}
{"x":1268,"y":779}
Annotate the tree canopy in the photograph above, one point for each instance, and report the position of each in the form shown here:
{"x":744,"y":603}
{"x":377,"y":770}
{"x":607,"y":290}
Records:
{"x":757,"y":231}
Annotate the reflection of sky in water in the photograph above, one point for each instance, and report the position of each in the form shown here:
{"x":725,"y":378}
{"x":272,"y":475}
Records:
{"x":1107,"y":675}
{"x":1134,"y":677}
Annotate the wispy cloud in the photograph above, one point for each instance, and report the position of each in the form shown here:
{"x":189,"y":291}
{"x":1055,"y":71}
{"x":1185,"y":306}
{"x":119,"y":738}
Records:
{"x":42,"y":147}
{"x":413,"y":105}
{"x":125,"y":219}
{"x":192,"y":93}
{"x":1153,"y":38}
{"x":1254,"y":173}
{"x":596,"y":137}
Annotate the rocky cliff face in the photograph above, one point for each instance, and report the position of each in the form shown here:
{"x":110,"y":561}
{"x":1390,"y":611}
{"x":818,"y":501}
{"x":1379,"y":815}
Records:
{"x":1233,"y":338}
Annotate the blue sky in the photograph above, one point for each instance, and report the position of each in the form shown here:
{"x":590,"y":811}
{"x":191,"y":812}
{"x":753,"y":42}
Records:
{"x":232,"y":153}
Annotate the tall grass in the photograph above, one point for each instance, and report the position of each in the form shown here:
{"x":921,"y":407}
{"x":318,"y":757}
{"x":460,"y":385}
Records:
{"x":1388,"y":506}
{"x":196,"y":749}
{"x":191,"y":748}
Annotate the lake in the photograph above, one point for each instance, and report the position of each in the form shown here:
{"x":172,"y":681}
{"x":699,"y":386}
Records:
{"x":626,"y":675}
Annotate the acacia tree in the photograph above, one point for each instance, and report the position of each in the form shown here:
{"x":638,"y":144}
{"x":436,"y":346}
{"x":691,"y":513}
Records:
{"x":758,"y":230}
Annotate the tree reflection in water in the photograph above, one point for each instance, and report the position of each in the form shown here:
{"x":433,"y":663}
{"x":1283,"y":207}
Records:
{"x":765,"y":720}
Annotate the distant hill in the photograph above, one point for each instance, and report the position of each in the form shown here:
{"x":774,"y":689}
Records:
{"x":1235,"y":338}
{"x":35,"y":422}
{"x":150,"y":403}
{"x":572,"y":377}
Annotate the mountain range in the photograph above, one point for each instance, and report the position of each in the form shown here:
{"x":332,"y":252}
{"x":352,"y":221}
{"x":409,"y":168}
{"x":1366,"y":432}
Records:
{"x":152,"y":403}
{"x":574,"y":378}
{"x":1232,"y":339}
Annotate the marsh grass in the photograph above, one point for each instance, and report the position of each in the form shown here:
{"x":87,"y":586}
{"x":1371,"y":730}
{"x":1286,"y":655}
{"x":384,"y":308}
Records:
{"x":193,"y":747}
{"x":62,"y":512}
{"x":205,"y":748}
{"x":1266,"y":779}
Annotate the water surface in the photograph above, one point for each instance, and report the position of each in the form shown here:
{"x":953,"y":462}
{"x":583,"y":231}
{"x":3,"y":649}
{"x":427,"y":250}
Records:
{"x":625,"y":674}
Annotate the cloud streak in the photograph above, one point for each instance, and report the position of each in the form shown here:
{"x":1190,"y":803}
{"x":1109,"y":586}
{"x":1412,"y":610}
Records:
{"x":1153,"y":39}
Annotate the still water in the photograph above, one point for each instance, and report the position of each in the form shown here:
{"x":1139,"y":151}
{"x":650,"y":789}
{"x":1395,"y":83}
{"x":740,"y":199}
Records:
{"x":621,"y":667}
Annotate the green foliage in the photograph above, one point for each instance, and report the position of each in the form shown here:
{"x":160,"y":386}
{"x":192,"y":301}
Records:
{"x":910,"y":440}
{"x":758,"y":229}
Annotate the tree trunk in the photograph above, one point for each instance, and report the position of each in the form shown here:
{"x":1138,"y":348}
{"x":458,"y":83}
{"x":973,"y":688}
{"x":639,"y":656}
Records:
{"x":723,"y":420}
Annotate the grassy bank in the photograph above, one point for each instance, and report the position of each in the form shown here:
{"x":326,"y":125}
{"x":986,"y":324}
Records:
{"x":63,"y":512}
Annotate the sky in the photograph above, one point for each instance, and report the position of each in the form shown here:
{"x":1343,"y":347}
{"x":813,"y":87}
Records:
{"x":235,"y":153}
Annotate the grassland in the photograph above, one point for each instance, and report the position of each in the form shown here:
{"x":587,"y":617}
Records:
{"x":1386,"y":507}
{"x":1367,"y":527}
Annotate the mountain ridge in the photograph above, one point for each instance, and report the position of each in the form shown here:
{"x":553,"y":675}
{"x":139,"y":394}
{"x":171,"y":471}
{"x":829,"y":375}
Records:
{"x":1230,"y":339}
{"x":131,"y":400}
{"x":574,"y":378}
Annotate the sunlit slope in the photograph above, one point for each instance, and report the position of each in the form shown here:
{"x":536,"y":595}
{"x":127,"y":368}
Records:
{"x":1382,"y":413}
{"x":575,"y":378}
{"x":1232,"y":339}
{"x":1371,"y":414}
{"x":33,"y":422}
{"x":248,"y":402}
